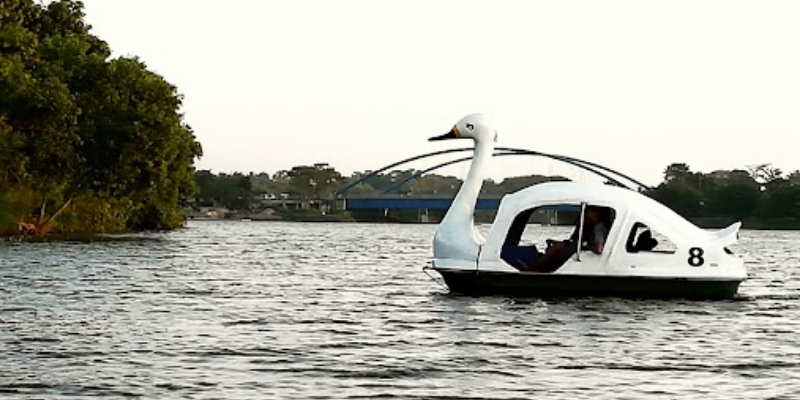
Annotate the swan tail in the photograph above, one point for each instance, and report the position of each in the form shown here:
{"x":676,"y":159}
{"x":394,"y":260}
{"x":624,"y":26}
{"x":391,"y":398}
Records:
{"x":726,"y":236}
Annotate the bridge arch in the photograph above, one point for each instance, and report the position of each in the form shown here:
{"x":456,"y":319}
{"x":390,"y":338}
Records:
{"x":609,"y":174}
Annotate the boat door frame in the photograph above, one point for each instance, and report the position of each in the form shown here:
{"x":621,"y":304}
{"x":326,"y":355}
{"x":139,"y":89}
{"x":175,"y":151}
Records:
{"x":580,"y":231}
{"x":615,"y":233}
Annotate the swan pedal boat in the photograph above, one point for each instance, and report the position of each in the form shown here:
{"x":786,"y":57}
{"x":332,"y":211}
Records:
{"x":698,"y":265}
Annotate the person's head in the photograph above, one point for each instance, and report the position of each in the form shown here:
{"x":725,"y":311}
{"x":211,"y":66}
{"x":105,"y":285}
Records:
{"x":596,"y":214}
{"x":593,"y":214}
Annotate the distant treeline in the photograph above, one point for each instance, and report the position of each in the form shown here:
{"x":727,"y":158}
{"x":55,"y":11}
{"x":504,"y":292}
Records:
{"x":88,"y":143}
{"x":321,"y":181}
{"x":760,"y":192}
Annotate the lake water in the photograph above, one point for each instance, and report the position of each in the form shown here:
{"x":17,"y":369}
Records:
{"x":238,"y":310}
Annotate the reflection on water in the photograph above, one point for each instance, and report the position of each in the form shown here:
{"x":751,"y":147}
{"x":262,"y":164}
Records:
{"x":236,"y":310}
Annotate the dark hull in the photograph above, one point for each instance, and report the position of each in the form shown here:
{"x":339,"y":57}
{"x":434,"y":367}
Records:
{"x":555,"y":285}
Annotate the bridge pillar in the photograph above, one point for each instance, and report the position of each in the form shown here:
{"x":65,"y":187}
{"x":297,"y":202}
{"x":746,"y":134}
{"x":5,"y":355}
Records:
{"x":424,"y":217}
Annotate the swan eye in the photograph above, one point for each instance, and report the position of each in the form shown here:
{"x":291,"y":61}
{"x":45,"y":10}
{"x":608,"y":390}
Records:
{"x":470,"y":127}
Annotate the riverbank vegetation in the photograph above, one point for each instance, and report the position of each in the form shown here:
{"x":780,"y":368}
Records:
{"x":88,"y":143}
{"x":761,"y":196}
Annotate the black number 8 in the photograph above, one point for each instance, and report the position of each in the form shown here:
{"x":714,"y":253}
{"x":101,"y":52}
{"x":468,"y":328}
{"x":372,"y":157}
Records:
{"x":696,"y":257}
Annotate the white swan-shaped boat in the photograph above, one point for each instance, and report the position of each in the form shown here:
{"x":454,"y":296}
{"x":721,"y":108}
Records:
{"x":698,"y":265}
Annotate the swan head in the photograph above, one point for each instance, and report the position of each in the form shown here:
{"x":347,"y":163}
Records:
{"x":473,"y":126}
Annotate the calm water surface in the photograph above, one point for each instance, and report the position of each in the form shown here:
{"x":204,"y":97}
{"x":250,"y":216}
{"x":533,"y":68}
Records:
{"x":237,"y":310}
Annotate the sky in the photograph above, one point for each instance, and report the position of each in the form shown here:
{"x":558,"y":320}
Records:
{"x":632,"y":85}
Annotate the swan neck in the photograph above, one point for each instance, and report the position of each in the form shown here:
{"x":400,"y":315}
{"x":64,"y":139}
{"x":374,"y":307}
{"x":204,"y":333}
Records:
{"x":463,"y":207}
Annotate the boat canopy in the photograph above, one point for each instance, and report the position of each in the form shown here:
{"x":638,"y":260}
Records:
{"x":626,"y":203}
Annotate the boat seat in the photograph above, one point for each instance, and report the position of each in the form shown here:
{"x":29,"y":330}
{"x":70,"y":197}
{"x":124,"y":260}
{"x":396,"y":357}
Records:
{"x":516,"y":255}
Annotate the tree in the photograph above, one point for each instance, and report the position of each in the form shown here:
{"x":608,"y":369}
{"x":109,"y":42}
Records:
{"x":42,"y":49}
{"x":262,"y":183}
{"x":682,"y":198}
{"x":75,"y":124}
{"x":735,"y":200}
{"x":231,"y":191}
{"x":515,"y":183}
{"x":743,"y":177}
{"x":364,"y":189}
{"x":765,"y":173}
{"x":434,"y":184}
{"x":313,"y":182}
{"x":794,"y":178}
{"x":781,"y":202}
{"x":677,"y":172}
{"x":141,"y":149}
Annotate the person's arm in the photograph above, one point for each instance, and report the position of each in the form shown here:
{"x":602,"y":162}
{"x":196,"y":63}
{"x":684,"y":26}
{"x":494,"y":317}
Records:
{"x":598,"y":238}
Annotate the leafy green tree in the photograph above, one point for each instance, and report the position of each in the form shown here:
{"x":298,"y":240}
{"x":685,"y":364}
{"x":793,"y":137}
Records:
{"x":314,"y":182}
{"x":677,"y":173}
{"x":76,"y":125}
{"x":141,"y":149}
{"x":231,"y":191}
{"x":781,"y":202}
{"x":680,"y":197}
{"x":398,"y":181}
{"x":742,"y":177}
{"x":794,"y":178}
{"x":261,"y":183}
{"x":734,"y":200}
{"x":280,"y":182}
{"x":6,"y":216}
{"x":364,"y":189}
{"x":513,"y":184}
{"x":435,"y":185}
{"x":765,"y":173}
{"x":41,"y":46}
{"x":385,"y":181}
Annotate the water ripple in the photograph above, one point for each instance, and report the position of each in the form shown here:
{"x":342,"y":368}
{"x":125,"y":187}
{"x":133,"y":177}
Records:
{"x":235,"y":310}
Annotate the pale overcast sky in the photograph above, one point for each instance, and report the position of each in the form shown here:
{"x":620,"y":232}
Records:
{"x":633,"y":85}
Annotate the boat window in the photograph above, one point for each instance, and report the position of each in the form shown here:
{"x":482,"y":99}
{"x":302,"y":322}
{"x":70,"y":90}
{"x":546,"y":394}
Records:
{"x":644,"y":239}
{"x":597,"y":233}
{"x":534,"y":231}
{"x":530,"y":229}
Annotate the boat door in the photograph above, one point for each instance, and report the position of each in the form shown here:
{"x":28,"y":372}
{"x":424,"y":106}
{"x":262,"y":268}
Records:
{"x":596,"y":240}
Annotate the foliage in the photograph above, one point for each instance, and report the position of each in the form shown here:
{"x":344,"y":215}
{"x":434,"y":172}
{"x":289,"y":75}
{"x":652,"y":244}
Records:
{"x":229,"y":191}
{"x":515,"y":183}
{"x":682,"y":198}
{"x":736,"y":200}
{"x":6,"y":216}
{"x":759,"y":192}
{"x":677,"y":173}
{"x":262,"y":183}
{"x":780,"y":202}
{"x":435,"y":185}
{"x":78,"y":126}
{"x":794,"y":178}
{"x":765,"y":173}
{"x":319,"y":181}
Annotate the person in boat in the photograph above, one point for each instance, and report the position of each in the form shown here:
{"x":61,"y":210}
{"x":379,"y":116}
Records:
{"x":596,"y":224}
